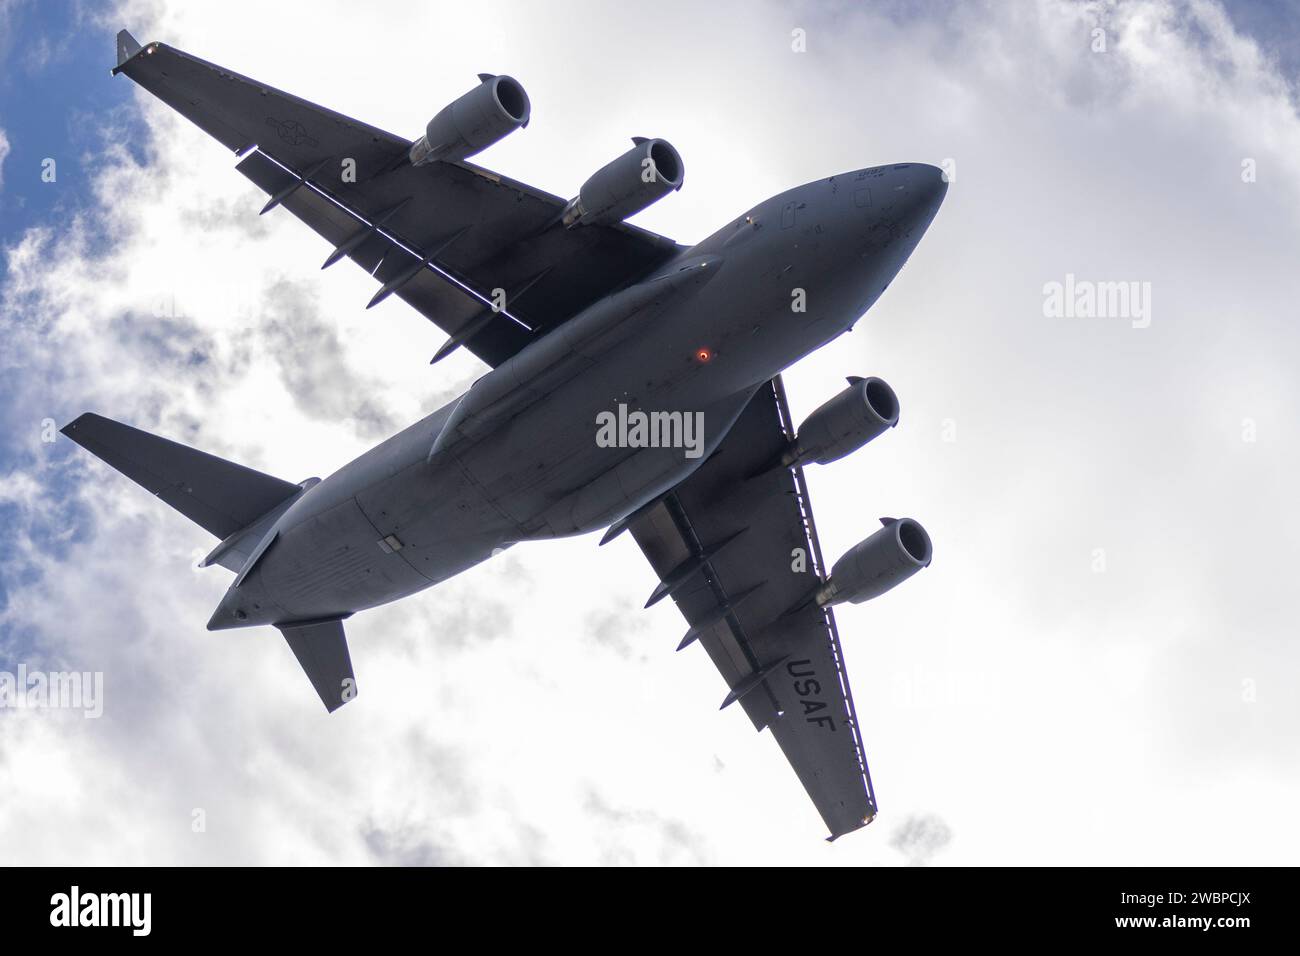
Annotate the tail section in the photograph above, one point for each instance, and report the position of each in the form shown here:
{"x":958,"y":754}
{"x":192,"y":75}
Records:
{"x":218,"y":495}
{"x":224,"y":498}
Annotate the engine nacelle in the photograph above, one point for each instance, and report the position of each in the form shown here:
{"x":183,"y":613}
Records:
{"x":845,"y":423}
{"x":647,"y":172}
{"x":484,"y":115}
{"x":871,"y":567}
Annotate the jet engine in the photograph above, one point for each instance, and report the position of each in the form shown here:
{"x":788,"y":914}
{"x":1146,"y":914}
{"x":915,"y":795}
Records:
{"x":871,"y":567}
{"x":845,"y":423}
{"x":647,"y":172}
{"x":472,"y":123}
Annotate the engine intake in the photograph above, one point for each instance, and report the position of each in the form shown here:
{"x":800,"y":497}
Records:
{"x":845,"y":423}
{"x":496,"y":107}
{"x":646,"y":173}
{"x":870,"y":568}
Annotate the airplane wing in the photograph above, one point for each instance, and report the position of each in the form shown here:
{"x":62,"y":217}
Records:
{"x":444,"y":237}
{"x":737,"y":551}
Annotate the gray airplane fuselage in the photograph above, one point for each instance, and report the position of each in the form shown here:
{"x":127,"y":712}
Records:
{"x":517,"y":457}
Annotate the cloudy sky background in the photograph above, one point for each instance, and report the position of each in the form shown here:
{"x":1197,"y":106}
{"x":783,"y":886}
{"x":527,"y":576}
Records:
{"x":1099,"y":666}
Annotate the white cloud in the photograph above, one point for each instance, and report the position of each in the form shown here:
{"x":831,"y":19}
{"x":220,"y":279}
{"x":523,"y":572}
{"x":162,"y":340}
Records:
{"x":4,"y":154}
{"x":1043,"y":712}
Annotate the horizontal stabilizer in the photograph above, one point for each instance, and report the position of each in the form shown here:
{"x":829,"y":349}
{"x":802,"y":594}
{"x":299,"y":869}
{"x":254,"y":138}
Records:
{"x":322,"y":650}
{"x":215,"y":494}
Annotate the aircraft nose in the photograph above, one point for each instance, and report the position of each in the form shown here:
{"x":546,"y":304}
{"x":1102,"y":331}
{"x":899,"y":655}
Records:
{"x":928,"y":186}
{"x":919,"y":190}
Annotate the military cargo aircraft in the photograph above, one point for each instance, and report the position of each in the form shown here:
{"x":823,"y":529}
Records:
{"x":634,"y":386}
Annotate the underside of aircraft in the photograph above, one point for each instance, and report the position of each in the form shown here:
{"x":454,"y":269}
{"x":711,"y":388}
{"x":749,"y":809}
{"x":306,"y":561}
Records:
{"x":633,"y":386}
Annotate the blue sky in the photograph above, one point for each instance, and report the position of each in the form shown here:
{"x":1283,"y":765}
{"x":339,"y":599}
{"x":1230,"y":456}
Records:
{"x":55,"y":91}
{"x":57,"y":98}
{"x":1273,"y":25}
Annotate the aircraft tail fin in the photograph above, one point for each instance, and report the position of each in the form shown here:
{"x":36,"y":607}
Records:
{"x":215,"y":494}
{"x":322,"y":649}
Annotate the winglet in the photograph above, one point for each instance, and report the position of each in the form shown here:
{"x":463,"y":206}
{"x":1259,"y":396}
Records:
{"x":127,"y":47}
